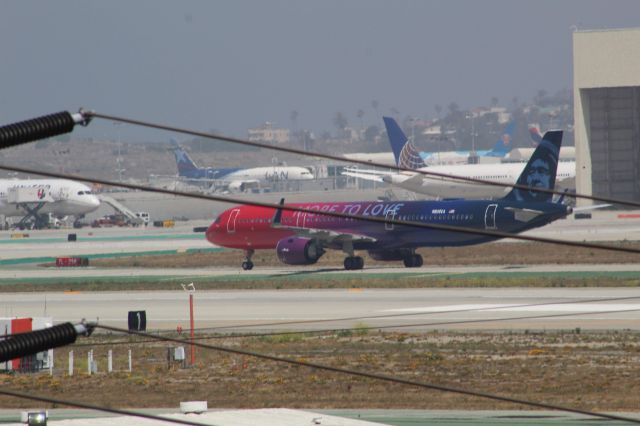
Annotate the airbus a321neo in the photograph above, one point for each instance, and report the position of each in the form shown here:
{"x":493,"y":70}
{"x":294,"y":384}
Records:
{"x":301,"y":238}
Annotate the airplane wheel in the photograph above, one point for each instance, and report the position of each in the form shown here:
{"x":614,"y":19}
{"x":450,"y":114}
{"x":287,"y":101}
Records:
{"x":247,"y":266}
{"x":413,"y":261}
{"x":348,"y":263}
{"x":353,"y":263}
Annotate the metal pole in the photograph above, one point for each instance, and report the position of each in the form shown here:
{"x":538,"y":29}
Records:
{"x":130,"y":363}
{"x":70,"y":363}
{"x":110,"y":361}
{"x":193,"y":348}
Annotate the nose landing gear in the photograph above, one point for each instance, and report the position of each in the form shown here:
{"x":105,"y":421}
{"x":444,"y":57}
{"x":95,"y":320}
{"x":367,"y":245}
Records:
{"x":247,"y":264}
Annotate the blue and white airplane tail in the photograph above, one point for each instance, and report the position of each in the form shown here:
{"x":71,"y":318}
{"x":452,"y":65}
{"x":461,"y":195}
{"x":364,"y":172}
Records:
{"x":540,"y":171}
{"x":186,"y":166}
{"x":405,"y":153}
{"x":504,"y":145}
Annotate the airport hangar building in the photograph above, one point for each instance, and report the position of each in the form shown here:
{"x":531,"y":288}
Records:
{"x":606,"y":88}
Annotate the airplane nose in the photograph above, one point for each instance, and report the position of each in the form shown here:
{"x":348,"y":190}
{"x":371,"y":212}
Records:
{"x":212,"y":233}
{"x":94,"y":202}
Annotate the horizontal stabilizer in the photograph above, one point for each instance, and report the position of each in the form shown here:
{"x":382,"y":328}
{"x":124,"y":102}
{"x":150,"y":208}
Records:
{"x":524,"y":215}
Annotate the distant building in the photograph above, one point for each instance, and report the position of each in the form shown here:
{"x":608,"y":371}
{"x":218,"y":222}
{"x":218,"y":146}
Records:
{"x":501,"y":113}
{"x":267,"y":133}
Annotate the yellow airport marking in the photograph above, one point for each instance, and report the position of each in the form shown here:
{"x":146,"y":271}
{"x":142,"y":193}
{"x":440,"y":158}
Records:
{"x":355,"y":290}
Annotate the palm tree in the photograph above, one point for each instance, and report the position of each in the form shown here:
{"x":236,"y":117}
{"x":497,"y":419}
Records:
{"x":360,"y":114}
{"x":375,"y":104}
{"x":340,"y":121}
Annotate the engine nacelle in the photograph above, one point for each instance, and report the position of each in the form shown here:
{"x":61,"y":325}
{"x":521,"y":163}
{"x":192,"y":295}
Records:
{"x":298,"y":251}
{"x":398,"y":254}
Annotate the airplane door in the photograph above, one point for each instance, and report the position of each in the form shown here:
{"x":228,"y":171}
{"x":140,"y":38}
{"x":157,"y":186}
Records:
{"x":231,"y":224}
{"x":490,"y":216}
{"x":391,"y":215}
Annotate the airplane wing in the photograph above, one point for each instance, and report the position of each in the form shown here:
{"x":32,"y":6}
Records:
{"x":586,"y":208}
{"x":326,"y":236}
{"x":368,"y":171}
{"x":371,"y":177}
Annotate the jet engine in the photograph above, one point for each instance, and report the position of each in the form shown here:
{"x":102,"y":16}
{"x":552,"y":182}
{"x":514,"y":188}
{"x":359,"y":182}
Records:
{"x":298,"y":251}
{"x":384,"y":255}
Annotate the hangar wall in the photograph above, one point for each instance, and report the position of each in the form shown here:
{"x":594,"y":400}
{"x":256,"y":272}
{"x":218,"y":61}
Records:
{"x":606,"y":86}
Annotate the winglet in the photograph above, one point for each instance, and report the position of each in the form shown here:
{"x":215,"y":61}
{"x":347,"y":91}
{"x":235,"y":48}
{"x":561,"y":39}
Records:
{"x":535,"y":135}
{"x":277,"y":217}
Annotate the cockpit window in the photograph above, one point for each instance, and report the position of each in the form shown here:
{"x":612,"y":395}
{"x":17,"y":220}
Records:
{"x":217,"y":220}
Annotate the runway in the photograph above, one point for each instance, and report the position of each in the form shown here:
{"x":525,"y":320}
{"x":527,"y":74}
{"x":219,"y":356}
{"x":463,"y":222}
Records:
{"x":413,"y":309}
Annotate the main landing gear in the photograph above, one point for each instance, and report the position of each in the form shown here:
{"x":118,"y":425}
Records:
{"x":247,"y":264}
{"x":413,"y":261}
{"x":353,"y":262}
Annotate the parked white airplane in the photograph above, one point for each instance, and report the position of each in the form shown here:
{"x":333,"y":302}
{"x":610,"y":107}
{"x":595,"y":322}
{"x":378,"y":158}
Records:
{"x":237,"y":179}
{"x":446,"y":188}
{"x":33,"y":199}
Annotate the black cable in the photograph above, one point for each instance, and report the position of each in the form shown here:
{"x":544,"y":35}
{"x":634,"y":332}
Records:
{"x":40,"y":128}
{"x":23,"y":344}
{"x":445,"y":176}
{"x":77,"y":404}
{"x":381,"y":220}
{"x":381,"y":377}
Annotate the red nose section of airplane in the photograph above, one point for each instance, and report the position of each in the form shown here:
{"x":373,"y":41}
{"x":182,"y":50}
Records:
{"x":214,"y":232}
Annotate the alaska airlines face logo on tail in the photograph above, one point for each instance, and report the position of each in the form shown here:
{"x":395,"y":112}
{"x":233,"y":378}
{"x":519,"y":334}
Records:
{"x":540,"y":171}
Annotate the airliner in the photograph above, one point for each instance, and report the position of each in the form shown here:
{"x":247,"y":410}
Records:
{"x":407,"y":157}
{"x":501,"y":148}
{"x":237,"y":179}
{"x":301,"y":238}
{"x":32,"y":199}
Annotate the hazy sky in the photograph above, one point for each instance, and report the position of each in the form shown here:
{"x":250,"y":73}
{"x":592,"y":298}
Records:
{"x":230,"y":65}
